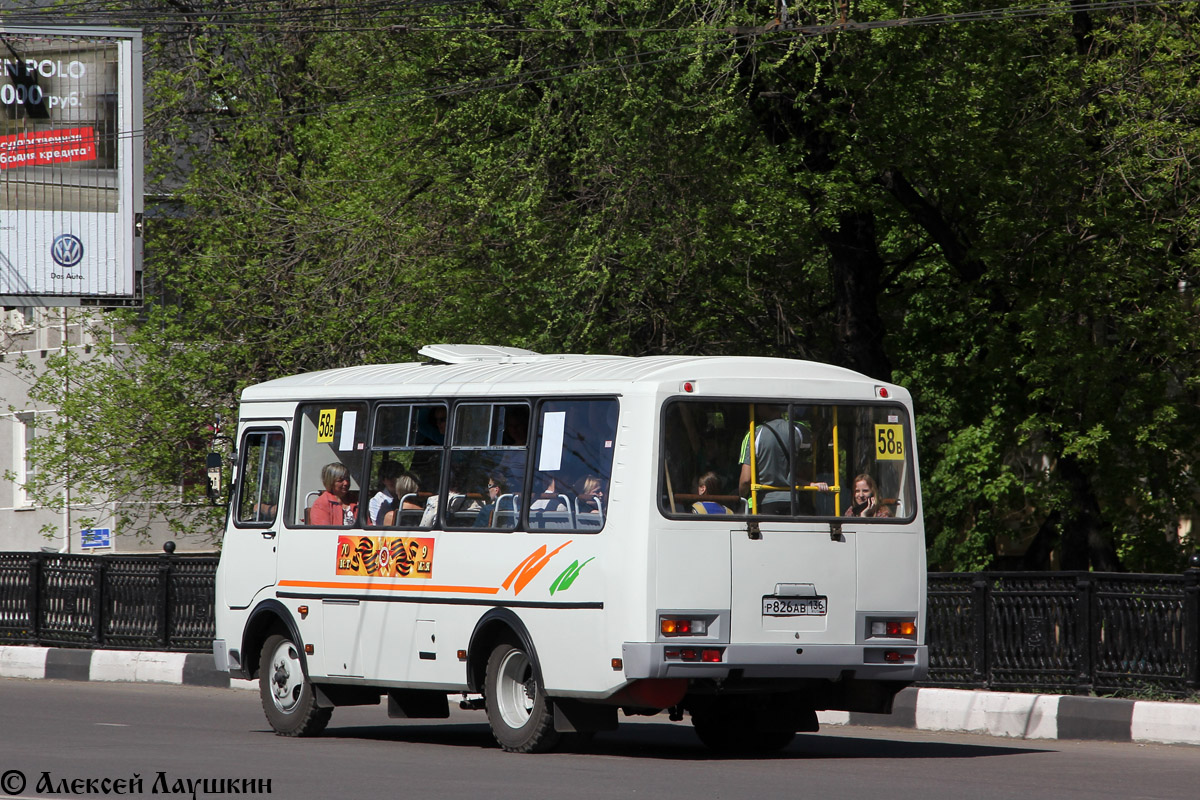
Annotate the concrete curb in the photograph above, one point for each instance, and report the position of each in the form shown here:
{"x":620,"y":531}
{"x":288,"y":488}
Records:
{"x":1034,"y":716}
{"x":130,"y":666}
{"x":1006,"y":714}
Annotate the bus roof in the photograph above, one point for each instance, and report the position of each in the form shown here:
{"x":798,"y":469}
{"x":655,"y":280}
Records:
{"x":476,"y":369}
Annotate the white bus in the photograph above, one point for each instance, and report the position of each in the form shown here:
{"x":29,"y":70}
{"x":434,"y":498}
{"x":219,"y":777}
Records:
{"x":563,"y":538}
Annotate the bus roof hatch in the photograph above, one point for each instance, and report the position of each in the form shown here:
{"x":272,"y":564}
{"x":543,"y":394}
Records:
{"x":464,"y":353}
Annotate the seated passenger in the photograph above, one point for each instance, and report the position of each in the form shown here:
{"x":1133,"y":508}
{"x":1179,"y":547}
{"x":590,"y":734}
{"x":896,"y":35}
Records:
{"x":332,"y":507}
{"x":406,"y":496}
{"x":386,"y":496}
{"x":499,"y":500}
{"x":547,"y":497}
{"x":708,"y":484}
{"x":865,"y":503}
{"x":590,"y":493}
{"x":456,"y":503}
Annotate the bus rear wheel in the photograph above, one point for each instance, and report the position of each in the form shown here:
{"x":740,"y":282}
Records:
{"x":287,"y":695}
{"x":520,"y":714}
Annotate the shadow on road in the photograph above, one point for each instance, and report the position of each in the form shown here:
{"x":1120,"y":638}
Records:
{"x":649,"y":740}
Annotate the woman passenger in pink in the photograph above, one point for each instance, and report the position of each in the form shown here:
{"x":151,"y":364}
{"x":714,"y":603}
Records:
{"x":331,"y":508}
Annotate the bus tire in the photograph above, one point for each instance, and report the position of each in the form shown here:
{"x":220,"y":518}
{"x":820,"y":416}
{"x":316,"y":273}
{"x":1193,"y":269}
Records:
{"x":520,"y":714}
{"x":287,"y":694}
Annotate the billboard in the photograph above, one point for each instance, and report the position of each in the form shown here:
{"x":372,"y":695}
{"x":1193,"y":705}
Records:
{"x":70,"y":166}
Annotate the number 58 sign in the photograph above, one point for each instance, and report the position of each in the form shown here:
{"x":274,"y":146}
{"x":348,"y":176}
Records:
{"x":889,"y":442}
{"x":326,"y":424}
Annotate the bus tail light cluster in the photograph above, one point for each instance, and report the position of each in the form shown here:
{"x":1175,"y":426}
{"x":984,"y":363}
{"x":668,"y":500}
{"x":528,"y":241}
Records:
{"x":682,"y":626}
{"x":894,"y":628}
{"x":710,"y":655}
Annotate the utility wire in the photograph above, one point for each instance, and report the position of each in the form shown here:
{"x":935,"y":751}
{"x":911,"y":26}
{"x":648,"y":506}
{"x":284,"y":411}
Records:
{"x":254,"y":15}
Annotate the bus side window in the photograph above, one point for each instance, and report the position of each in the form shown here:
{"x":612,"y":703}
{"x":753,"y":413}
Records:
{"x":330,"y":438}
{"x":488,"y":459}
{"x":259,"y":477}
{"x":572,"y":465}
{"x":406,"y":463}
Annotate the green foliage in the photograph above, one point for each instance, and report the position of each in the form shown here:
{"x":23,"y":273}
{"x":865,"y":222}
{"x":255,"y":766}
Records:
{"x":1001,"y":216}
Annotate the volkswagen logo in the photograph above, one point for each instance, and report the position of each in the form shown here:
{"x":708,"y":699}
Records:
{"x":67,"y":250}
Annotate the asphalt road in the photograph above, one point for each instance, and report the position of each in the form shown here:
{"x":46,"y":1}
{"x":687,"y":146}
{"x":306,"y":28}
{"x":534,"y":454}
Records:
{"x":74,"y":732}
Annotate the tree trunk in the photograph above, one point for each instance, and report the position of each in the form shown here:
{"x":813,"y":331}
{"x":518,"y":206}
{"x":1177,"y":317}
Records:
{"x":1086,"y":539}
{"x":857,"y":274}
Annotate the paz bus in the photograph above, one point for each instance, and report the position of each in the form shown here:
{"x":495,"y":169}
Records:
{"x":559,"y":540}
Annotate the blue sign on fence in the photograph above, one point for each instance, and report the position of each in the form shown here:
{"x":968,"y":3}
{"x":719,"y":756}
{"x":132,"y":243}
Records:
{"x":96,"y":537}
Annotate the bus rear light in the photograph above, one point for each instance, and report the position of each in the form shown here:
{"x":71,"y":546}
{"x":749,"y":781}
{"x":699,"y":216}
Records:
{"x":898,"y":657}
{"x":894,"y":628}
{"x":672,"y":626}
{"x":712,"y":655}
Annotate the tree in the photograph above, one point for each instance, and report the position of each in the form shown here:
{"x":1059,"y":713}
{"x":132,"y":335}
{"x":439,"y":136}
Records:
{"x":999,"y":215}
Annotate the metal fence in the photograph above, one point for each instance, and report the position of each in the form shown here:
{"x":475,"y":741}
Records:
{"x":160,"y":602}
{"x":1065,"y":632}
{"x":1072,"y":632}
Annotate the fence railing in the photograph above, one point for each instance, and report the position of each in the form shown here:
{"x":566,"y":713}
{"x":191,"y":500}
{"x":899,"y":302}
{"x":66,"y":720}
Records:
{"x":1063,"y":632}
{"x":160,"y":602}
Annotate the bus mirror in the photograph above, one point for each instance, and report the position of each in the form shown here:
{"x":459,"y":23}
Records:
{"x":213,"y":465}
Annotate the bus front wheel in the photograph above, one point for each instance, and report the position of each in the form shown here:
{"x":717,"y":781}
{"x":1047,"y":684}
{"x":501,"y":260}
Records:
{"x":287,"y":695}
{"x":520,"y":714}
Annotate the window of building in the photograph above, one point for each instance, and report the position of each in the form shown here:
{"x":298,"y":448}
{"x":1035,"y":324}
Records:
{"x":24,"y":435}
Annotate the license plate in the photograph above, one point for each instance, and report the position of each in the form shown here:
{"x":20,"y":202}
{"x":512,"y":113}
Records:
{"x":795,"y":606}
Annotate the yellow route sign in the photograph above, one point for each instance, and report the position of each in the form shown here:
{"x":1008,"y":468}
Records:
{"x":889,"y":442}
{"x":326,"y":423}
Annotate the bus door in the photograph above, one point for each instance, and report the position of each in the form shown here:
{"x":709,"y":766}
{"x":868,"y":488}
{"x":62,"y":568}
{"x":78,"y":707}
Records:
{"x":824,"y":481}
{"x":249,"y":549}
{"x":792,"y":583}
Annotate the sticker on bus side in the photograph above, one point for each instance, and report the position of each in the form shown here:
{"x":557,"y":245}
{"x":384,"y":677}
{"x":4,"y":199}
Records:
{"x":889,"y":442}
{"x":326,"y":424}
{"x":385,"y":556}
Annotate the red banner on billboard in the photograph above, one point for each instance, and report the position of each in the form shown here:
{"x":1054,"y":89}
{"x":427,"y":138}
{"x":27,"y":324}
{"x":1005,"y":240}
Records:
{"x":40,"y":148}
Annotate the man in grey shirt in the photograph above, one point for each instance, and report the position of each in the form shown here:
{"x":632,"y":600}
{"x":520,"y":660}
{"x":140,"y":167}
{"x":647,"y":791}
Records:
{"x":780,"y":446}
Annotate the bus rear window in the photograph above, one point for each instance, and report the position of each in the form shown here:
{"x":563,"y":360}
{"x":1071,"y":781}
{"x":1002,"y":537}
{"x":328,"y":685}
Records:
{"x":786,"y":459}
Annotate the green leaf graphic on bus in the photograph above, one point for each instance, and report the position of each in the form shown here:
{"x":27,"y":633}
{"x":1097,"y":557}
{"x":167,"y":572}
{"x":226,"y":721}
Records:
{"x":569,"y":575}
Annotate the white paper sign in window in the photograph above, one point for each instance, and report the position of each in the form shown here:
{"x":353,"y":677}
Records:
{"x":553,"y":425}
{"x":349,"y":423}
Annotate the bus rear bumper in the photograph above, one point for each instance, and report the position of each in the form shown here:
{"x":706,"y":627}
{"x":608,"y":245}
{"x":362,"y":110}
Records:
{"x":887,"y":662}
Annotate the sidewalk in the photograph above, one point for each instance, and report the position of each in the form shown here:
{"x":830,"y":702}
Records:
{"x":1034,"y":716}
{"x":1006,"y":714}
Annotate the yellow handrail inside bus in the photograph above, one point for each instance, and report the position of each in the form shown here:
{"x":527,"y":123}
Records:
{"x":756,"y":487}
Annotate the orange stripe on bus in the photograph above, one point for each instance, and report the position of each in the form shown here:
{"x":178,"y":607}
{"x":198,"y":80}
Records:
{"x":390,"y":587}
